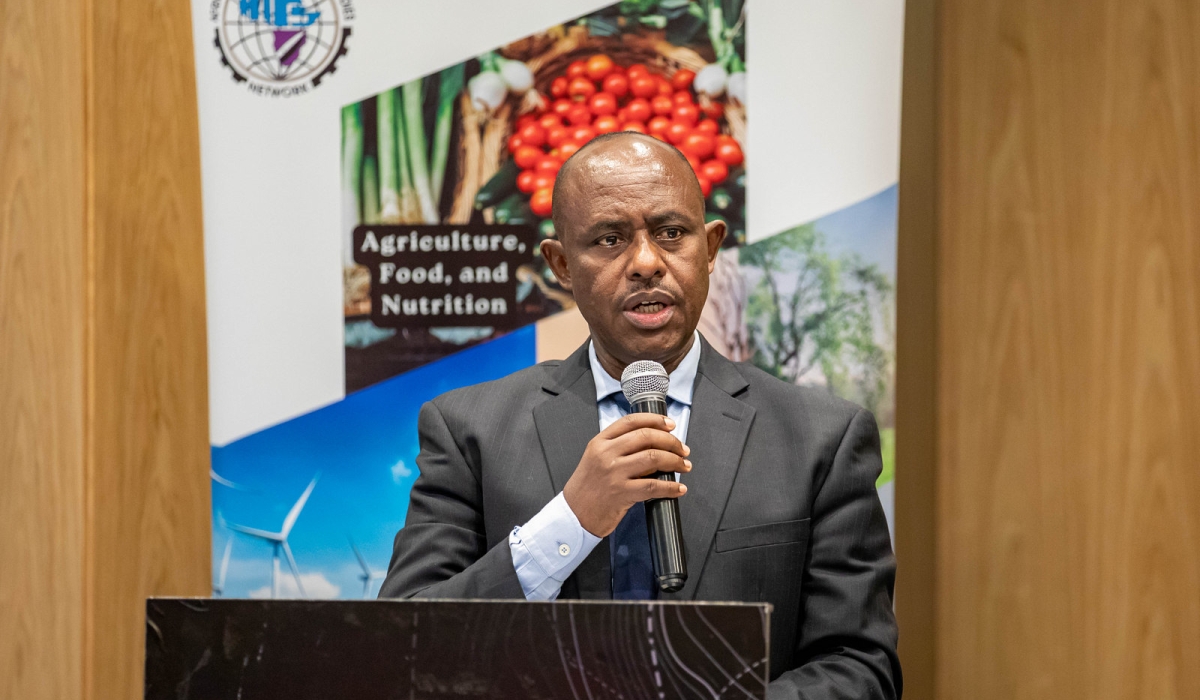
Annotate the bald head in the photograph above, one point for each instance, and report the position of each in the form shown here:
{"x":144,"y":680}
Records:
{"x":612,"y":155}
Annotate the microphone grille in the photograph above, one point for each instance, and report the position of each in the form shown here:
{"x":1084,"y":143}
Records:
{"x":643,"y":378}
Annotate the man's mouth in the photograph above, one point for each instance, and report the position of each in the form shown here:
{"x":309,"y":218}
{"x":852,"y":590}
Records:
{"x":650,"y":314}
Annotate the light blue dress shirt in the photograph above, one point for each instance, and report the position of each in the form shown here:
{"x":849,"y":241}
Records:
{"x":548,"y":548}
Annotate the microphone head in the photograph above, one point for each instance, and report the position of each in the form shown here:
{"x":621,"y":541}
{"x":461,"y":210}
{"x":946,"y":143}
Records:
{"x":644,"y":379}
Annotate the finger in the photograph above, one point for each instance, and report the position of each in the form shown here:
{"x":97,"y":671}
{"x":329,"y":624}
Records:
{"x":647,"y":489}
{"x":636,"y":421}
{"x":648,"y":439}
{"x":647,"y":462}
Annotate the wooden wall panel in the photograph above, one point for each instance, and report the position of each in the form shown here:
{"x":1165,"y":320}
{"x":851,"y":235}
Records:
{"x":42,"y":330}
{"x":916,"y":353}
{"x":1069,"y":350}
{"x":149,"y":530}
{"x":104,"y":488}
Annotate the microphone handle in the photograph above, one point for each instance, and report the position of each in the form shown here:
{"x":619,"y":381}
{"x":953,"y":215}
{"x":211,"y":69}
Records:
{"x":662,"y":520}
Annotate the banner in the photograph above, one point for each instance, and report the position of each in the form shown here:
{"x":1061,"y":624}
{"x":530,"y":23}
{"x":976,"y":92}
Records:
{"x":377,"y":178}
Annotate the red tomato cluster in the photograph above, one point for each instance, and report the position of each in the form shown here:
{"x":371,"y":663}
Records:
{"x":596,"y":96}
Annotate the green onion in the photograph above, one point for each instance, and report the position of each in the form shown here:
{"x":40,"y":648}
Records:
{"x":448,"y":89}
{"x":352,"y":151}
{"x":414,"y":128}
{"x":370,"y":189}
{"x":390,"y":161}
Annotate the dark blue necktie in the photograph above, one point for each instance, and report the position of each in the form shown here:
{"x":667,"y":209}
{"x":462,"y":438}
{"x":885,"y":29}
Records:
{"x":629,"y":547}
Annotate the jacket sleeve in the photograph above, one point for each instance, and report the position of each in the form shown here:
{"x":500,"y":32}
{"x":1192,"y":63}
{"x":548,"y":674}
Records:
{"x":441,"y":552}
{"x":848,"y":633}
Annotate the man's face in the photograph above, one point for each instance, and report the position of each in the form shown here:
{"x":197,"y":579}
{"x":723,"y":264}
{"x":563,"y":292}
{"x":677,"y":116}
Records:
{"x":634,"y":249}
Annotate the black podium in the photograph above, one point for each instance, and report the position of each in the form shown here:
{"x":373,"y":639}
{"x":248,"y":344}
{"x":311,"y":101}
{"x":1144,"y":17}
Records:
{"x":204,"y":649}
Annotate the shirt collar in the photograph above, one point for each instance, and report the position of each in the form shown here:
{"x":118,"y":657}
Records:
{"x":683,"y":379}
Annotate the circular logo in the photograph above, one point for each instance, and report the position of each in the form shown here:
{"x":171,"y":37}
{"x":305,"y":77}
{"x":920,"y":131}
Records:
{"x":281,"y":48}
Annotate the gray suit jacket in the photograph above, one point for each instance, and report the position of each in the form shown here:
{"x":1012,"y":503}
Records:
{"x":781,"y":508}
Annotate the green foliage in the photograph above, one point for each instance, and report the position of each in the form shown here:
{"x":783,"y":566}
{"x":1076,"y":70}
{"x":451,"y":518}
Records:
{"x":813,"y":316}
{"x":887,"y":449}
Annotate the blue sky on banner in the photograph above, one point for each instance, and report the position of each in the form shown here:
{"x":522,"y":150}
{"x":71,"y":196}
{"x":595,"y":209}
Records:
{"x":364,"y":448}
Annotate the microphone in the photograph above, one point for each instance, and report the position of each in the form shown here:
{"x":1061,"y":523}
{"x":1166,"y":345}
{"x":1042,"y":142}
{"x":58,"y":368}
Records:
{"x":644,"y":384}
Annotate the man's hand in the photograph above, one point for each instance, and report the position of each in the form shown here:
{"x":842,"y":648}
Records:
{"x":611,"y":477}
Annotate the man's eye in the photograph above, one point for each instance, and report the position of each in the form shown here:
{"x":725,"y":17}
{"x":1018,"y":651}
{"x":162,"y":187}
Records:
{"x":610,"y":239}
{"x":672,"y":233}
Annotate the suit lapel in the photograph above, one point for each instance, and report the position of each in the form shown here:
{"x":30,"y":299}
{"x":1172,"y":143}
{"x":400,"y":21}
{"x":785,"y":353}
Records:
{"x":565,"y":424}
{"x":716,"y":434}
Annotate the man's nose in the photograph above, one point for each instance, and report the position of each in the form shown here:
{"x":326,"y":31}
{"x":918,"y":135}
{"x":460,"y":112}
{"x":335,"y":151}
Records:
{"x":646,"y":261}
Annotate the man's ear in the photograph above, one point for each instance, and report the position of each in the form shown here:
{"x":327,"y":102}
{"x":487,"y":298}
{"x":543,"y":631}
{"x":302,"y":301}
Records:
{"x":552,"y":251}
{"x":715,"y":232}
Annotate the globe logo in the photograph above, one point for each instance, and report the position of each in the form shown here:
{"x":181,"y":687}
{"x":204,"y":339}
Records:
{"x":281,"y":47}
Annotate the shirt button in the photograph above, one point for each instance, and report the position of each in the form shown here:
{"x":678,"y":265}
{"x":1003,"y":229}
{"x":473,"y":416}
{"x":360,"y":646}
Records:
{"x":564,"y":550}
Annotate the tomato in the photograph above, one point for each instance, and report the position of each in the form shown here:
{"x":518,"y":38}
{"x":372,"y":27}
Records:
{"x":714,"y":170}
{"x":549,"y":121}
{"x":694,"y":162}
{"x":664,"y":86}
{"x":686,"y":114}
{"x":713,"y":109}
{"x":661,"y":104}
{"x":603,"y":103}
{"x":561,"y":107}
{"x":568,"y":149}
{"x":556,"y":136}
{"x":542,"y":202}
{"x":682,"y":79}
{"x":634,"y":126}
{"x":639,"y":110}
{"x":525,"y":181}
{"x":527,"y":157}
{"x":607,"y":124}
{"x":548,"y":164}
{"x":558,"y":87}
{"x":705,"y":186}
{"x":643,"y":86}
{"x":543,"y":181}
{"x":729,"y":152}
{"x":583,"y":134}
{"x":579,"y":115}
{"x":577,"y":69}
{"x":514,"y":142}
{"x":677,"y":131}
{"x":637,"y":70}
{"x":581,"y":89}
{"x":682,"y":98}
{"x":658,"y":126}
{"x":616,"y":84}
{"x":532,"y":134}
{"x":698,"y":143}
{"x":599,"y":66}
{"x":708,"y":126}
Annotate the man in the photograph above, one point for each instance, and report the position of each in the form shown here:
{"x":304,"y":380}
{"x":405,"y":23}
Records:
{"x":532,"y":486}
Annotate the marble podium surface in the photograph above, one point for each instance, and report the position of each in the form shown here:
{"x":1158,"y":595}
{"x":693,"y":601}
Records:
{"x":207,"y":649}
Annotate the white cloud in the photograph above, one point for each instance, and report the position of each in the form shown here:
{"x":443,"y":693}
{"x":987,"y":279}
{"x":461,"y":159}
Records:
{"x":400,"y":472}
{"x":315,"y":586}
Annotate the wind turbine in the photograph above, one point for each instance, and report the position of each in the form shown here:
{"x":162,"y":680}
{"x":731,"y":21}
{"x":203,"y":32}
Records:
{"x":212,"y":473}
{"x":279,"y":540}
{"x":219,"y":587}
{"x":369,"y":575}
